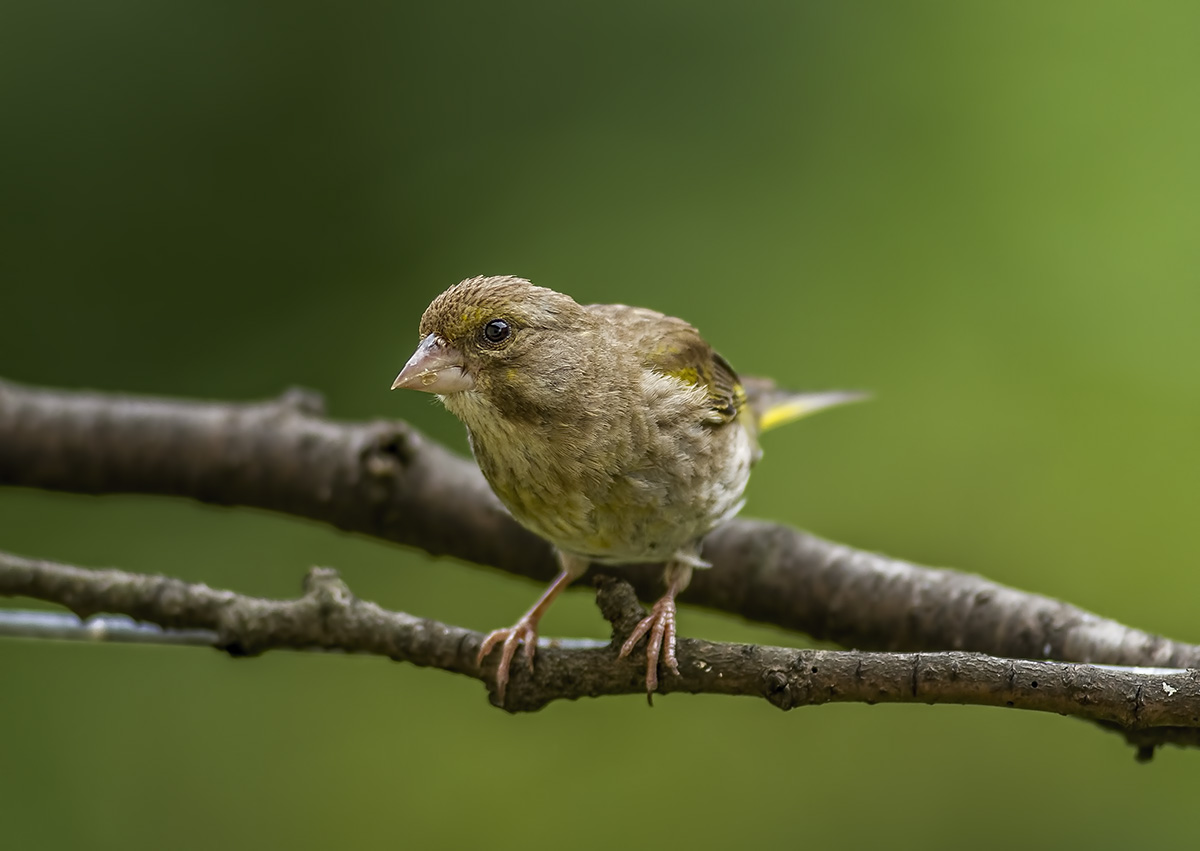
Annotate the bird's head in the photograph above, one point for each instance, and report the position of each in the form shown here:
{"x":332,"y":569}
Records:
{"x":501,"y":338}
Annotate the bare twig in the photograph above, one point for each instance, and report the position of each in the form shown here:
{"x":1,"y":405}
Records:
{"x":118,"y":629}
{"x":387,"y":480}
{"x":122,"y":629}
{"x":1152,"y":707}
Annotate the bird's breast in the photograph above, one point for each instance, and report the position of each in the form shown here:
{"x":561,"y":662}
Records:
{"x":635,"y":491}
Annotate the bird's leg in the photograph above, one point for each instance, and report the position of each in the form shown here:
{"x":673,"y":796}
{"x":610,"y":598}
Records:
{"x":660,"y":624}
{"x":525,"y":629}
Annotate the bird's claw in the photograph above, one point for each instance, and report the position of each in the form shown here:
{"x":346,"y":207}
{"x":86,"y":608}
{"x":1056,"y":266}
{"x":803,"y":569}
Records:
{"x":660,"y":624}
{"x":522,"y":632}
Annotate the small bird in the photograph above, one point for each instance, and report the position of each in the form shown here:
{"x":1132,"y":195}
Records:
{"x":616,"y":433}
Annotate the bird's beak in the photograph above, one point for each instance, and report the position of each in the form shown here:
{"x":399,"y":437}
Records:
{"x":435,"y":367}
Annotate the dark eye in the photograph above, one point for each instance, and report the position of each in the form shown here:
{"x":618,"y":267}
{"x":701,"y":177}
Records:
{"x":496,"y":331}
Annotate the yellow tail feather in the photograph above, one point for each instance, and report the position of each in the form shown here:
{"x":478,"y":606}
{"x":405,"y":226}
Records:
{"x":778,"y":407}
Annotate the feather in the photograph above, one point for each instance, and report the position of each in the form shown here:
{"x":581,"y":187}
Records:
{"x":674,"y":348}
{"x":773,"y":406}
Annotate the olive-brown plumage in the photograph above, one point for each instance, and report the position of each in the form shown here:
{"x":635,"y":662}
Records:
{"x":616,"y":433}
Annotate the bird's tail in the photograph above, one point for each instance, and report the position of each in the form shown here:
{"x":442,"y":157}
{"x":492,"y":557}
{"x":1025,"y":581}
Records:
{"x":773,"y":406}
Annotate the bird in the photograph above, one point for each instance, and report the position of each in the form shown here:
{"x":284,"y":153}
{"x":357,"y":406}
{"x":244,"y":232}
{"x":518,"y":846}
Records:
{"x":615,"y":433}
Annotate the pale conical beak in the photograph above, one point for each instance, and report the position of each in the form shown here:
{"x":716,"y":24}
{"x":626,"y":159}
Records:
{"x":435,"y":367}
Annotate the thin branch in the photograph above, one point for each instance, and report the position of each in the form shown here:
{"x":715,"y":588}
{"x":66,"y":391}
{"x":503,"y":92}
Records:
{"x":1156,"y":706}
{"x":387,"y":480}
{"x":121,"y":629}
{"x":117,"y":629}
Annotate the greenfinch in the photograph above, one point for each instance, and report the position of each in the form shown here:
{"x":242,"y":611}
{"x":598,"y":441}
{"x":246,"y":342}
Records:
{"x":615,"y":433}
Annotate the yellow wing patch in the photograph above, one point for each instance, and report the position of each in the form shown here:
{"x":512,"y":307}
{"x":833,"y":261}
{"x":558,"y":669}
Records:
{"x":674,"y":348}
{"x":688,"y":375}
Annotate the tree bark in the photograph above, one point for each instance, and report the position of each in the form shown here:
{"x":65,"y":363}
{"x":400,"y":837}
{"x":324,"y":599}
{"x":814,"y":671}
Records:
{"x":1151,"y":706}
{"x":386,"y":480}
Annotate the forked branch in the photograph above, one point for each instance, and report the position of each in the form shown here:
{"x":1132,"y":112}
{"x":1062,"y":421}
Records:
{"x":1151,"y":706}
{"x":387,"y":480}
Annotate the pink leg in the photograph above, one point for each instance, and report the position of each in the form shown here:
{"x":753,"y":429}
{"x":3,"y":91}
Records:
{"x":525,"y":629}
{"x":660,"y":624}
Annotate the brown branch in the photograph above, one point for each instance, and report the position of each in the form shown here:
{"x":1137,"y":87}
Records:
{"x":387,"y":480}
{"x":1153,"y":707}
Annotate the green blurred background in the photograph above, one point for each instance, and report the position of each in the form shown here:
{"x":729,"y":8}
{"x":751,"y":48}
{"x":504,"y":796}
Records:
{"x":985,"y":213}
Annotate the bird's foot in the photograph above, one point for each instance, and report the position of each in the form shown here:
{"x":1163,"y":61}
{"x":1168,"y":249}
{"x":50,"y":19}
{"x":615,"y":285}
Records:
{"x":660,"y":624}
{"x":524,"y":632}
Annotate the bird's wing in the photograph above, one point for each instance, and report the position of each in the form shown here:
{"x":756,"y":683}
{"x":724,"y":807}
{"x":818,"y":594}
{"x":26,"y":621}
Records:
{"x":673,"y":347}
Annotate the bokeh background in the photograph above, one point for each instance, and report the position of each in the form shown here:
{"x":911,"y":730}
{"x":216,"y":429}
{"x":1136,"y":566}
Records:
{"x":985,"y":213}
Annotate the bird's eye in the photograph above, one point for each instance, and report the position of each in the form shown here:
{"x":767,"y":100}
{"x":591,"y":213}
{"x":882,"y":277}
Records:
{"x":496,"y":331}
